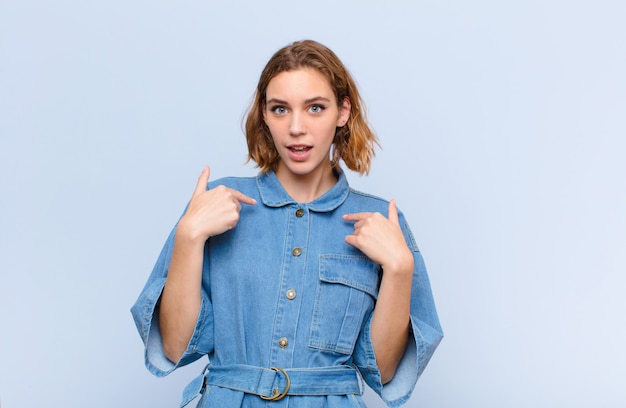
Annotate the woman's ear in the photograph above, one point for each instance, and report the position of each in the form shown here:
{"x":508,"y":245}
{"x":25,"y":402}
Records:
{"x":344,"y":112}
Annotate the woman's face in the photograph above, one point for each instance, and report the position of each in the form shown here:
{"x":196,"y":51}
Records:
{"x":302,"y":115}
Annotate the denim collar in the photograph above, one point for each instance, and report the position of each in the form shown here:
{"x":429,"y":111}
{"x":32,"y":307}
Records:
{"x":274,"y":195}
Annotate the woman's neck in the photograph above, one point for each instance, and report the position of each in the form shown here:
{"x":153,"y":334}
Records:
{"x":305,"y":188}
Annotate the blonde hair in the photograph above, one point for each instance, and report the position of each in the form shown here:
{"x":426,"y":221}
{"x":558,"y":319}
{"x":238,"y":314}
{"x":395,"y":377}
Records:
{"x":353,"y":143}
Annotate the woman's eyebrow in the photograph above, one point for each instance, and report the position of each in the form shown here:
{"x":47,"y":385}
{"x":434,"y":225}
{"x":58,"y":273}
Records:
{"x":316,"y":99}
{"x":306,"y":101}
{"x":278,"y":101}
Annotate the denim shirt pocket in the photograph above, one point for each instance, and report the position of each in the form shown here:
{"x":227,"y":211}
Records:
{"x":346,"y":292}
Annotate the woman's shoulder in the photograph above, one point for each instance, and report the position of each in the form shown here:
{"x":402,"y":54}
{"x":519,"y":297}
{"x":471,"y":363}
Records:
{"x":367,"y":199}
{"x":242,"y":184}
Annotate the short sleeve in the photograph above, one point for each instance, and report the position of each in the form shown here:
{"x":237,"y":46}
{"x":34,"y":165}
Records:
{"x":146,"y":316}
{"x":425,"y":335}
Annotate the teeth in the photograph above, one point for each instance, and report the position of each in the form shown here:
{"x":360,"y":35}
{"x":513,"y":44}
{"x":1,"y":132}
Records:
{"x":299,"y":148}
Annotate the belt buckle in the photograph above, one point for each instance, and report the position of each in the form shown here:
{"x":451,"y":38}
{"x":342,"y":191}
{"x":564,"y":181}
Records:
{"x":278,"y":395}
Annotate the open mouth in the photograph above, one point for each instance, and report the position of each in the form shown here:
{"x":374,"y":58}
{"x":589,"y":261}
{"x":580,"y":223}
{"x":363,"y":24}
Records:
{"x":299,"y":149}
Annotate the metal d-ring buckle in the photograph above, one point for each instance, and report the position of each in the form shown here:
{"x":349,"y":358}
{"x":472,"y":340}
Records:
{"x":277,"y":396}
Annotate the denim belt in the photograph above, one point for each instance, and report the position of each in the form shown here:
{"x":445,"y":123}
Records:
{"x":272,"y":384}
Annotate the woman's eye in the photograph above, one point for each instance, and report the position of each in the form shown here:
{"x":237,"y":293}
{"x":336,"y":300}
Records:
{"x":279,"y":109}
{"x":317,"y":108}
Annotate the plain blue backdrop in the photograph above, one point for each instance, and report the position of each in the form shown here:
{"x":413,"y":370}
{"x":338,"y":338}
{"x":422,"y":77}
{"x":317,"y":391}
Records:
{"x":503,"y":130}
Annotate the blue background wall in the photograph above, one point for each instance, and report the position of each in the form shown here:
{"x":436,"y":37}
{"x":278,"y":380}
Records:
{"x":503,"y":128}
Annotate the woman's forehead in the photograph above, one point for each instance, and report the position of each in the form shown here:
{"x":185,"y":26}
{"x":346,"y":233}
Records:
{"x":302,"y":83}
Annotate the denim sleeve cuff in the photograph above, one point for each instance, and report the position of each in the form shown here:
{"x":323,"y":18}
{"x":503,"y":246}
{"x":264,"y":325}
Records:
{"x":146,"y":315}
{"x":422,"y":344}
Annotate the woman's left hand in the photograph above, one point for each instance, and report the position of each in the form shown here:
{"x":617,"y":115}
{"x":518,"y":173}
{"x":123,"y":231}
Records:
{"x":381,"y":239}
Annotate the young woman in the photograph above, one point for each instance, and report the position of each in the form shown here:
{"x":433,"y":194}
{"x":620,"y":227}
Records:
{"x":294,"y":285}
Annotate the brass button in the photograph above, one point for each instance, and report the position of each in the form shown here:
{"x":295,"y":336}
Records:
{"x":283,"y":342}
{"x":296,"y":251}
{"x":291,"y":294}
{"x":299,"y":212}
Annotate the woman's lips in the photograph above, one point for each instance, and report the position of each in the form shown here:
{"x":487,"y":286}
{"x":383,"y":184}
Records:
{"x":299,"y":152}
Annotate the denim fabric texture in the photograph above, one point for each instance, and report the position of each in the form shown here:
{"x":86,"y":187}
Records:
{"x":283,"y":289}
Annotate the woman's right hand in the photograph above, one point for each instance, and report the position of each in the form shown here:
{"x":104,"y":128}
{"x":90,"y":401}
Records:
{"x":211,"y":212}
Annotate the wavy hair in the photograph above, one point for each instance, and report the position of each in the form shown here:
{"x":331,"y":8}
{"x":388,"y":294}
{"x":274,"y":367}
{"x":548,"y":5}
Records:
{"x":353,"y":143}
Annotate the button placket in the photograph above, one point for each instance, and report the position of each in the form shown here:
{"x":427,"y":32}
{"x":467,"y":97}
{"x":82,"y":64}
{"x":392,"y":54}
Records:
{"x":286,"y":321}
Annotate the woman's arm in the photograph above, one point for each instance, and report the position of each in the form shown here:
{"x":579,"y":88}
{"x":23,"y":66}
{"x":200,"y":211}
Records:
{"x":391,"y":320}
{"x":181,"y":298}
{"x":210,"y":213}
{"x":381,"y":239}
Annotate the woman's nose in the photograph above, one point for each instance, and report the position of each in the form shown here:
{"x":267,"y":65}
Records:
{"x":297,"y":126}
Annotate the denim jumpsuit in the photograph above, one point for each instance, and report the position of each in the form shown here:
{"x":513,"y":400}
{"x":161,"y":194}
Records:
{"x":287,"y":306}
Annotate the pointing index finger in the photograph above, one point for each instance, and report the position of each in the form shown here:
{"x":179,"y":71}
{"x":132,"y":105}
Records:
{"x":242,"y":198}
{"x":356,"y":216}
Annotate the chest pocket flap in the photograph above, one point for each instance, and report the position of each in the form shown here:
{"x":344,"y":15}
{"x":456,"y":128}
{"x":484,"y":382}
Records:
{"x":357,"y":272}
